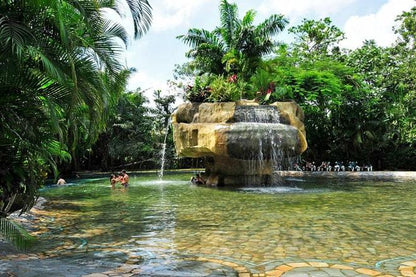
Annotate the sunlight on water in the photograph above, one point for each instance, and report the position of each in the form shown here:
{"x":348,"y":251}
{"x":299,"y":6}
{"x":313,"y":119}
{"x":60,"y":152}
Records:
{"x":272,"y":189}
{"x":164,"y":221}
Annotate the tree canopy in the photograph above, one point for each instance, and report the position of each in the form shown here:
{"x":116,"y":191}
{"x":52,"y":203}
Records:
{"x":65,"y":105}
{"x":359,"y":104}
{"x":236,"y":46}
{"x":60,"y":71}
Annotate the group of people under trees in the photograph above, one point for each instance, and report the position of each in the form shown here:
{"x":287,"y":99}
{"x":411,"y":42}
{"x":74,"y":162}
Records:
{"x":338,"y":166}
{"x":121,"y":178}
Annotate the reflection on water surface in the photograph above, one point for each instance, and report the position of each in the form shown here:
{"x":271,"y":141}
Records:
{"x":160,"y":225}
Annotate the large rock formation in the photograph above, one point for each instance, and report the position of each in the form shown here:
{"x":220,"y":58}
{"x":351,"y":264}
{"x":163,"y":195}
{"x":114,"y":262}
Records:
{"x":243,"y":142}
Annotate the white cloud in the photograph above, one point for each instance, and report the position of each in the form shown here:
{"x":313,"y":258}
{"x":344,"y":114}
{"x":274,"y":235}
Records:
{"x":377,"y":26}
{"x":145,"y":82}
{"x":300,"y":8}
{"x":149,"y":84}
{"x":168,"y":14}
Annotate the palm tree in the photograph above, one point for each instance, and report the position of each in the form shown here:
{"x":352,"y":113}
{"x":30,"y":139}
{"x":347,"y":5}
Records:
{"x":59,"y":73}
{"x":236,"y":46}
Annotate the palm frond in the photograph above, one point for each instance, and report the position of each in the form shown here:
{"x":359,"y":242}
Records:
{"x":248,"y":18}
{"x":228,"y":17}
{"x":14,"y":36}
{"x":195,"y":37}
{"x":55,"y":113}
{"x":15,"y":234}
{"x":50,"y":65}
{"x":88,"y":9}
{"x":206,"y":49}
{"x":272,"y":25}
{"x":141,"y":12}
{"x":114,"y":30}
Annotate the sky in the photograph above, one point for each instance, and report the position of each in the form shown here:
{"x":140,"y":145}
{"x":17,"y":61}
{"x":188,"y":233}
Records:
{"x":156,"y":53}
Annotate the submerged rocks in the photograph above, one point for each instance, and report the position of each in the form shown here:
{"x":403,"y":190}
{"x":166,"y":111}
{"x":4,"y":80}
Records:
{"x":243,"y":142}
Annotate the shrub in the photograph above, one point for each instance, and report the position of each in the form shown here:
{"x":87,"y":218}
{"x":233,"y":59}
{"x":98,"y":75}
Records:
{"x":200,"y":91}
{"x":224,"y":90}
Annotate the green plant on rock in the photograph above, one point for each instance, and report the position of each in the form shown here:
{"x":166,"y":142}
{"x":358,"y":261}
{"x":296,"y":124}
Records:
{"x":223,"y":90}
{"x":200,"y":91}
{"x":263,"y":82}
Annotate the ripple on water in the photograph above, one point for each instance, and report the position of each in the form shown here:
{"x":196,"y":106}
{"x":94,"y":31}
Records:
{"x":281,"y":190}
{"x":186,"y":268}
{"x":271,"y":189}
{"x":158,"y":223}
{"x":161,"y":182}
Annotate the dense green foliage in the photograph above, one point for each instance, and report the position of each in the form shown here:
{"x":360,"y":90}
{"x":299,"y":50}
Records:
{"x":64,"y":104}
{"x":60,"y":74}
{"x":134,"y":135}
{"x":126,"y":140}
{"x":359,"y":105}
{"x":236,"y":46}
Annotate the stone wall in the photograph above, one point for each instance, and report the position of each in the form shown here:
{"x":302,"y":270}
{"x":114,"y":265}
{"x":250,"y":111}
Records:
{"x":231,"y":145}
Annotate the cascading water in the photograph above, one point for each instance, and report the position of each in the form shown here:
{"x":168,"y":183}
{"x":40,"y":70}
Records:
{"x":256,"y":114}
{"x":163,"y":152}
{"x":260,"y":142}
{"x":242,"y":143}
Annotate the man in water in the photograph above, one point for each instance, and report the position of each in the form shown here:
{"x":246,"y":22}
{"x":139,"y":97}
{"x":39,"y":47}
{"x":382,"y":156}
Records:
{"x":124,"y":179}
{"x":61,"y":181}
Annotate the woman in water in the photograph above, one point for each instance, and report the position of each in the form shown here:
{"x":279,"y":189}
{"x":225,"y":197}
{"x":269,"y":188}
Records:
{"x":113,"y":181}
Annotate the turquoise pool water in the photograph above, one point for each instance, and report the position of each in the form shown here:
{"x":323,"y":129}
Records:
{"x":171,"y":226}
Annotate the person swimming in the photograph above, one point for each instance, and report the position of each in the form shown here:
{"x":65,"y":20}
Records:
{"x":198,"y":180}
{"x":61,"y":181}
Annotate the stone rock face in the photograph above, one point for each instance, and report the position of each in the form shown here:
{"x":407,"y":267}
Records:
{"x":242,"y":141}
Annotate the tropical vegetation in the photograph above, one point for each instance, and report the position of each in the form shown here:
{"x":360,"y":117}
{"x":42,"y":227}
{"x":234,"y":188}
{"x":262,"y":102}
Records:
{"x":60,"y":76}
{"x":236,"y":46}
{"x":65,"y":106}
{"x":359,"y":104}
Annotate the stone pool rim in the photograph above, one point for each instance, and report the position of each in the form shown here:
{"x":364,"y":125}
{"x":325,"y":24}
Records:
{"x":353,"y":175}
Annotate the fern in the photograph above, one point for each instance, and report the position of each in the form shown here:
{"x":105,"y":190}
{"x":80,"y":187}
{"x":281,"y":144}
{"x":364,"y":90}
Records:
{"x":15,"y":234}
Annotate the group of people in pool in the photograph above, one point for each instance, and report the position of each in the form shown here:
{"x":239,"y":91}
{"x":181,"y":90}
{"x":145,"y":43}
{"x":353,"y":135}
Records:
{"x":121,"y":177}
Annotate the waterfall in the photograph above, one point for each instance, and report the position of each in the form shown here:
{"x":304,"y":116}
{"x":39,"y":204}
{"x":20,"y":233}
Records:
{"x":262,"y":141}
{"x":260,"y":156}
{"x":257,"y":114}
{"x":163,"y":152}
{"x":243,"y":143}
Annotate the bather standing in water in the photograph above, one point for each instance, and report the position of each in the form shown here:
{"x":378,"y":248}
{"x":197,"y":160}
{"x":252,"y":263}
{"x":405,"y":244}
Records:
{"x":124,"y":179}
{"x":113,"y":181}
{"x":61,"y":181}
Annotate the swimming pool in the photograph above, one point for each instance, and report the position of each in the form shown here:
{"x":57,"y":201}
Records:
{"x":172,"y":228}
